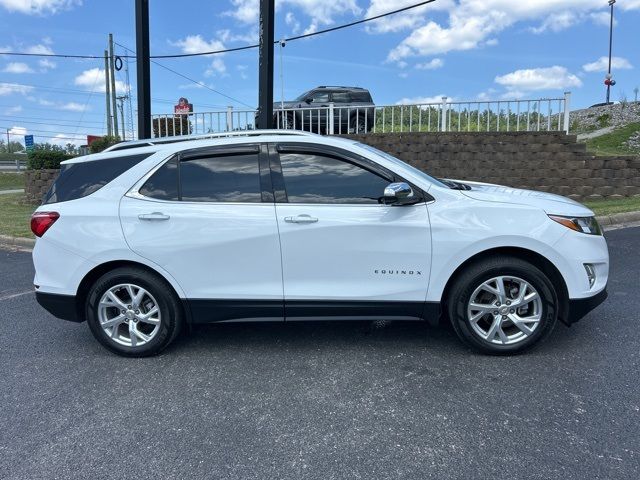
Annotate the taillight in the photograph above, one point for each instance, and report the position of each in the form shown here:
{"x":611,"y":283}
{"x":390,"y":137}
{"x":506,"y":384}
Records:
{"x":42,"y":221}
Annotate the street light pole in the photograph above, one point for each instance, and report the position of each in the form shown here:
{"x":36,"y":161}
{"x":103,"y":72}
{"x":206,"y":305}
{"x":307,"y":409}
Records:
{"x":611,"y":2}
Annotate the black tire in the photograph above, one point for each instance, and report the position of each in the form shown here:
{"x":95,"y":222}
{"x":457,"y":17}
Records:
{"x":357,"y":125}
{"x":482,"y":271}
{"x":168,"y":303}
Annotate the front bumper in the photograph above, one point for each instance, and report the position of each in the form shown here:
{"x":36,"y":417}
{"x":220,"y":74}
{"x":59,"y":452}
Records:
{"x":60,"y":306}
{"x":580,"y":307}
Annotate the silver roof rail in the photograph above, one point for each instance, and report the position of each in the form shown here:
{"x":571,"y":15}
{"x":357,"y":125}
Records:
{"x":205,"y":136}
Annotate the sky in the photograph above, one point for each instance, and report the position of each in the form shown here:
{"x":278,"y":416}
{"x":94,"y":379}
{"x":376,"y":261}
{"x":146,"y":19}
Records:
{"x":467,"y":50}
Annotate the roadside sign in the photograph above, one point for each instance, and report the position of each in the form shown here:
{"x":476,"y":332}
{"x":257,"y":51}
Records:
{"x":28,"y":142}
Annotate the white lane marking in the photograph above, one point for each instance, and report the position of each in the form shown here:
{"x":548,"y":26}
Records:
{"x":14,"y":295}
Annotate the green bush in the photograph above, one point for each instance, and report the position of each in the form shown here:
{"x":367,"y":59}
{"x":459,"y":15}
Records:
{"x":46,"y":156}
{"x":104,"y":142}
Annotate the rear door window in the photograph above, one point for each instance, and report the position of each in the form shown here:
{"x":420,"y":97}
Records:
{"x":77,"y":180}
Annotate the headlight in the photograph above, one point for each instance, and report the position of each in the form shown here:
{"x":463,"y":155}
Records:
{"x":587,"y":225}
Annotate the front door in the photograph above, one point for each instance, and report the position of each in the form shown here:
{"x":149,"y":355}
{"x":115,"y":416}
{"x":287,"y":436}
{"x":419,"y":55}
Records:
{"x":207,"y":217}
{"x":344,"y":253}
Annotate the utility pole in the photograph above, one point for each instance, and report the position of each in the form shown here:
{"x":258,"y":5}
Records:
{"x":609,"y":82}
{"x":106,"y":91}
{"x":112,"y":74}
{"x":143,"y":66}
{"x":265,"y":64}
{"x":8,"y":142}
{"x":121,"y":100}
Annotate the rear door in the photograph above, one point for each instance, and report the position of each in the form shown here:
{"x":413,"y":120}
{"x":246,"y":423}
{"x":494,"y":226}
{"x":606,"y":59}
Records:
{"x":207,"y":217}
{"x":344,"y":253}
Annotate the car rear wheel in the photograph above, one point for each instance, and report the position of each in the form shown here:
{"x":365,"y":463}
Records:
{"x":358,"y":125}
{"x":502,"y":305}
{"x":133,"y":313}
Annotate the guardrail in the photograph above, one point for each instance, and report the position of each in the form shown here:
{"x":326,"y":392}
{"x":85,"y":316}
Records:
{"x":535,"y":115}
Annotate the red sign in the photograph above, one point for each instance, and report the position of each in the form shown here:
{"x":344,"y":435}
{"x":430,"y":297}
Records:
{"x":92,"y":138}
{"x":183,"y":106}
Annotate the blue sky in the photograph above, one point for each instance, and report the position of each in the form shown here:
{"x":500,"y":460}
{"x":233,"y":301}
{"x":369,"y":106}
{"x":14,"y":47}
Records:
{"x":465,"y":49}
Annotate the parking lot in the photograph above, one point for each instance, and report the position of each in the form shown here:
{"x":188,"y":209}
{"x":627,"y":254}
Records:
{"x":321,"y":400}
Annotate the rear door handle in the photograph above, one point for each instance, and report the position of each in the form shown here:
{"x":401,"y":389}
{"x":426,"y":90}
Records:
{"x":155,"y":216}
{"x":301,"y":219}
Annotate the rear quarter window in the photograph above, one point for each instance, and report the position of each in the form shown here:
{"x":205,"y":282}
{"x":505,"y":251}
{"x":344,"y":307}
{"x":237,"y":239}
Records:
{"x":77,"y":180}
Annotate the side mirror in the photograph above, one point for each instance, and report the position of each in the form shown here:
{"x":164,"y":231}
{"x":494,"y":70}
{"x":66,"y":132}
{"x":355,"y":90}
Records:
{"x":399,"y":193}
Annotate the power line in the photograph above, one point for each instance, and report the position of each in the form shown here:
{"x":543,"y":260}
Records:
{"x":191,"y":80}
{"x":18,"y":118}
{"x":235,"y":49}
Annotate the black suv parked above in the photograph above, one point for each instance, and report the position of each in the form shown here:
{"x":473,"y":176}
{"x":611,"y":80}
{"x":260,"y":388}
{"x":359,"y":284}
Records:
{"x":353,"y":110}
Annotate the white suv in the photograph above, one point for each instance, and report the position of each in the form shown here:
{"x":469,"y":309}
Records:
{"x":143,"y":241}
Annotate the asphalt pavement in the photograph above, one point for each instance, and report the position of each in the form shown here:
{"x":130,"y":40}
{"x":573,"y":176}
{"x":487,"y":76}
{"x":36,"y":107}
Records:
{"x":321,"y":400}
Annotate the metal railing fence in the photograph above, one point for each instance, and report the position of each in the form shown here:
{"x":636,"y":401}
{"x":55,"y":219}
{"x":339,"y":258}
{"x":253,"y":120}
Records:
{"x":535,"y":115}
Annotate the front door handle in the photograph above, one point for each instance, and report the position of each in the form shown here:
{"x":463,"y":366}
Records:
{"x":155,"y":216}
{"x":301,"y":219}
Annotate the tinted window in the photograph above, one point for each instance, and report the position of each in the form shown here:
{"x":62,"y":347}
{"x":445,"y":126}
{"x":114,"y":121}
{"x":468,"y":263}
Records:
{"x":313,"y":178}
{"x":360,"y":97}
{"x":233,"y":178}
{"x":319,"y":97}
{"x":77,"y":180}
{"x":163,"y":184}
{"x":341,"y":97}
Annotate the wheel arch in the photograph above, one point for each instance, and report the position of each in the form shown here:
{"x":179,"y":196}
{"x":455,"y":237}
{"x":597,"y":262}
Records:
{"x":535,"y":258}
{"x":92,"y":275}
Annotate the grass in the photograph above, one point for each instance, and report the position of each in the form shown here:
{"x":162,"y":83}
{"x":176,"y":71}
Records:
{"x":607,"y":207}
{"x":11,"y":181}
{"x":613,"y":143}
{"x":15,"y":215}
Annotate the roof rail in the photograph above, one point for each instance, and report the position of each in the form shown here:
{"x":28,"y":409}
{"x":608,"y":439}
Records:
{"x":339,"y":86}
{"x":205,"y":136}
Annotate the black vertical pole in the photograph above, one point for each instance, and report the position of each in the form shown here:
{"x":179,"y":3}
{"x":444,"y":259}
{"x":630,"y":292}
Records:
{"x":144,"y":69}
{"x":265,"y":87}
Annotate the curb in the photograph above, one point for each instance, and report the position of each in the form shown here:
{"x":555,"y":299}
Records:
{"x":613,"y":220}
{"x":616,"y":219}
{"x":17,"y":241}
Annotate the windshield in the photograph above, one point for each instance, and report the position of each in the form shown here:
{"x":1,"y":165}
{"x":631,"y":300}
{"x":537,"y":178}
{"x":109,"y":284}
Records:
{"x":302,"y":97}
{"x":400,"y":163}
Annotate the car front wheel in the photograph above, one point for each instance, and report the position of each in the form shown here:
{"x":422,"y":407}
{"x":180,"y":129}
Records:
{"x":133,"y":313}
{"x":502,"y":305}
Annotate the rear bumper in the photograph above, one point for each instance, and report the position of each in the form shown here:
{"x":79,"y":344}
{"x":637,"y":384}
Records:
{"x":60,"y":306}
{"x":580,"y":307}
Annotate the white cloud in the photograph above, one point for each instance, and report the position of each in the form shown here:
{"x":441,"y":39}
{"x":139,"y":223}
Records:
{"x":38,"y":7}
{"x":474,"y":23}
{"x":17,"y":132}
{"x":290,"y":20}
{"x":62,"y":139}
{"x":46,"y":64}
{"x":73,"y":107}
{"x":431,"y":65}
{"x":13,"y":110}
{"x":14,"y":88}
{"x":39,"y":49}
{"x":602,"y":18}
{"x":17,"y":67}
{"x":217,"y":67}
{"x":526,"y":80}
{"x":94,"y":80}
{"x":602,"y":64}
{"x":557,"y":21}
{"x":423,"y":100}
{"x":320,"y":12}
{"x":197,"y":44}
{"x":404,"y":20}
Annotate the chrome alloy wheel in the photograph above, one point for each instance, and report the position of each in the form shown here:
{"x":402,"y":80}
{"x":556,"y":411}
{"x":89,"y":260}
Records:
{"x":504,"y":310}
{"x":129,"y":315}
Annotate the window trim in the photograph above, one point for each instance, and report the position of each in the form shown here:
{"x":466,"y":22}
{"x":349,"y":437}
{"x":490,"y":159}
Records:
{"x":281,"y":196}
{"x":266,"y":191}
